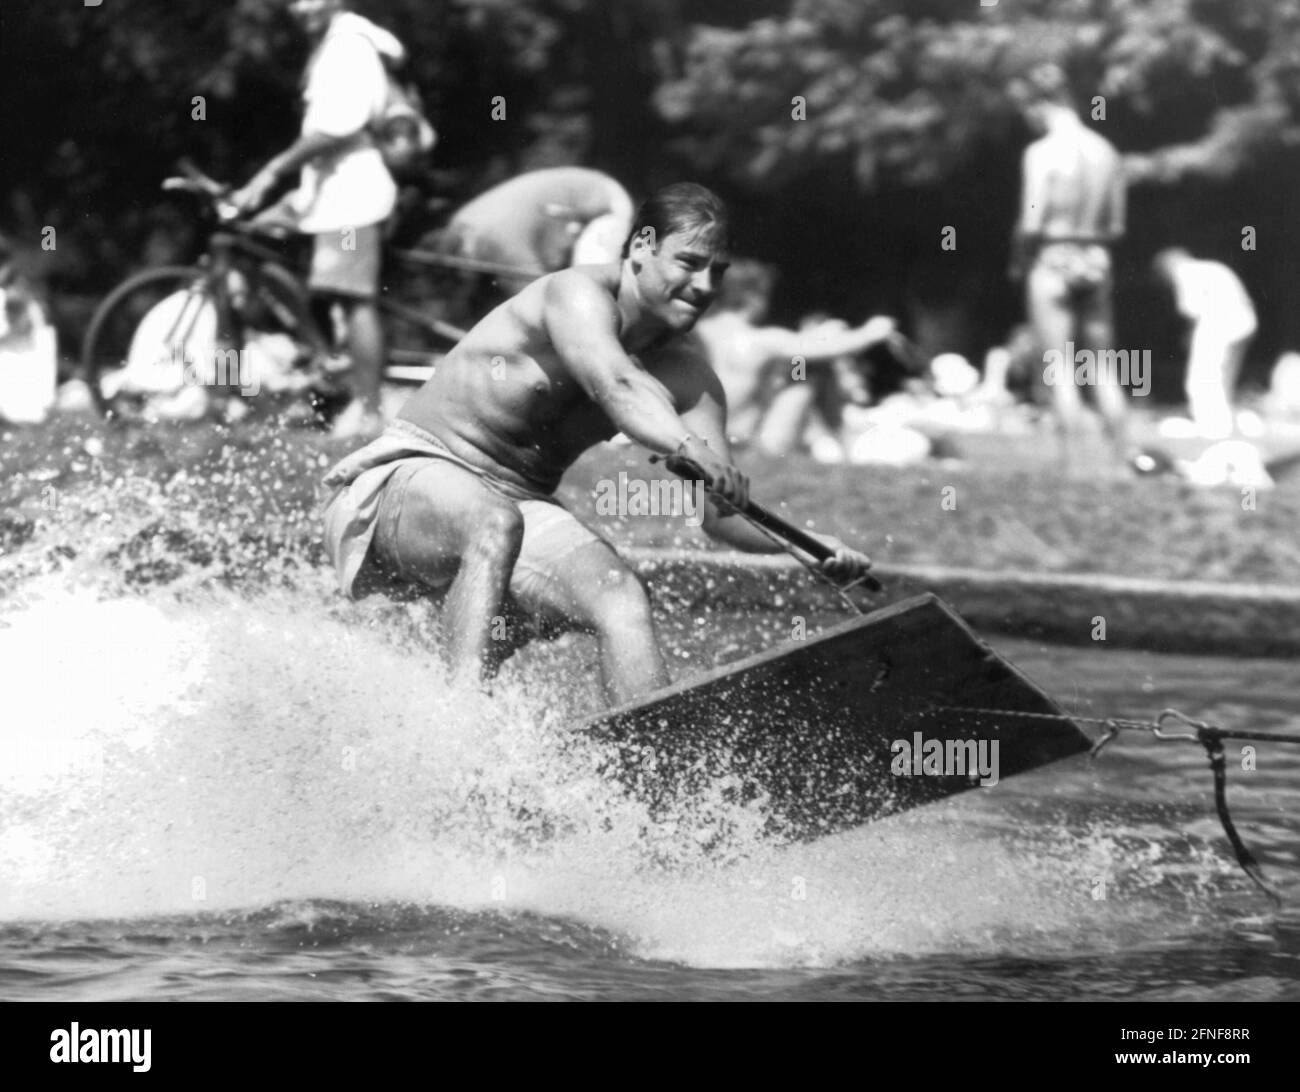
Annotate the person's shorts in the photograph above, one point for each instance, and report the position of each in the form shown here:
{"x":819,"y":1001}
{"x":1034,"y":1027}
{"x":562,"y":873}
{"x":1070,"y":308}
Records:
{"x":1073,"y":270}
{"x":347,"y":262}
{"x":372,"y":547}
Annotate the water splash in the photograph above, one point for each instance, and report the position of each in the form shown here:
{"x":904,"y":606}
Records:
{"x":195,"y":724}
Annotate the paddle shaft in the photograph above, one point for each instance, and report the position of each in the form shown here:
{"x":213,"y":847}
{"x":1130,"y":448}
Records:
{"x":756,"y":513}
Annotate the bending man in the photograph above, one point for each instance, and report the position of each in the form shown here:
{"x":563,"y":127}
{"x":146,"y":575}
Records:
{"x":1212,"y":297}
{"x":539,"y":222}
{"x":458,"y":492}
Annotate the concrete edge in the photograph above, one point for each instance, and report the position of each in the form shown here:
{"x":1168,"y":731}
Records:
{"x":1071,"y":608}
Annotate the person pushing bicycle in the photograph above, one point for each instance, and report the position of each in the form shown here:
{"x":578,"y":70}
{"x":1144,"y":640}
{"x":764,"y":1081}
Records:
{"x":345,"y":191}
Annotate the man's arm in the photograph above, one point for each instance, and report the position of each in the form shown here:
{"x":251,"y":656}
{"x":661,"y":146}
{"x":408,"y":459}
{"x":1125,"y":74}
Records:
{"x":346,"y":82}
{"x":1118,"y":200}
{"x":582,"y":322}
{"x":1033,"y":201}
{"x":306,"y":148}
{"x":776,"y":342}
{"x":705,"y":411}
{"x":1033,"y":190}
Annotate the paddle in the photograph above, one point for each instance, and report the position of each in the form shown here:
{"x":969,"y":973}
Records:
{"x":795,"y":536}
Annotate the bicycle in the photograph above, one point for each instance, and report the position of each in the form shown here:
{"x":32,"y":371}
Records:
{"x":243,"y":297}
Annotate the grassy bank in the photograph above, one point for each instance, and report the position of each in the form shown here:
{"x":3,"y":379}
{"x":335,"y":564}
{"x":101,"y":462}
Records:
{"x":1008,"y":512}
{"x":1006,"y":507}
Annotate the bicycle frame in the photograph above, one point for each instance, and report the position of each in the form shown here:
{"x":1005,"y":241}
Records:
{"x":273,"y":283}
{"x":227,"y":246}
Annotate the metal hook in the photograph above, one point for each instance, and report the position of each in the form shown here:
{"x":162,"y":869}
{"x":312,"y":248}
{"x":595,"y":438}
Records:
{"x":1182,"y":718}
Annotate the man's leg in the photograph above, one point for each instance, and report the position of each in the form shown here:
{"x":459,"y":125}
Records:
{"x":447,"y":524}
{"x":1052,"y":317}
{"x":1097,"y":333}
{"x":1233,"y":359}
{"x":1208,"y":387}
{"x":591,"y":589}
{"x":366,"y":347}
{"x":346,"y":265}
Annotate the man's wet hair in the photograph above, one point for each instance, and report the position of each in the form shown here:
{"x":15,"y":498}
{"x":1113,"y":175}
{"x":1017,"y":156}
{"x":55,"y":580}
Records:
{"x":683,"y":206}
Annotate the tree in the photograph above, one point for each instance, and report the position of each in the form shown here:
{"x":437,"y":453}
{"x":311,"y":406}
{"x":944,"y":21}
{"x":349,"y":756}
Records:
{"x":910,"y":90}
{"x":894,"y":118}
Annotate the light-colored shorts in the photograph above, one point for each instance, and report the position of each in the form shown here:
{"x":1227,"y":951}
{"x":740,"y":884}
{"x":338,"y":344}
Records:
{"x":369,"y":546}
{"x":347,"y":262}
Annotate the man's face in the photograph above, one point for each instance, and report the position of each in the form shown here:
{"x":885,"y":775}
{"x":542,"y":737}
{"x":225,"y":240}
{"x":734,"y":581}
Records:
{"x":680,"y":278}
{"x":314,"y":15}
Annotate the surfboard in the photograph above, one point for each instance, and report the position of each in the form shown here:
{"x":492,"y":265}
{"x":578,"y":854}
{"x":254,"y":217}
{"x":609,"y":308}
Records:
{"x":857,"y":722}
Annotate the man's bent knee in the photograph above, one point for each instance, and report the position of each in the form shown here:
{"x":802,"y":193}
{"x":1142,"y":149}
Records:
{"x":497,"y":531}
{"x":621,"y":601}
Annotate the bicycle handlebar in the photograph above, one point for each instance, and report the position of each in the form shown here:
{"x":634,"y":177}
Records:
{"x":192,"y":180}
{"x":189,"y":186}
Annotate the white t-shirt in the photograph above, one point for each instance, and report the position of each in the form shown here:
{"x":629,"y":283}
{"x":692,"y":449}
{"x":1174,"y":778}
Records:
{"x":1212,"y":296}
{"x":346,"y":89}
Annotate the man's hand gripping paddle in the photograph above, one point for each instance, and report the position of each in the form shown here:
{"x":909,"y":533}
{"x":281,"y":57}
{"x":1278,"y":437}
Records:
{"x":761,"y":517}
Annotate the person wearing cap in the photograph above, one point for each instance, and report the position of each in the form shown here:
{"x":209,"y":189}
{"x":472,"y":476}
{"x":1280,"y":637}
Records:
{"x":345,"y":191}
{"x":1072,"y":213}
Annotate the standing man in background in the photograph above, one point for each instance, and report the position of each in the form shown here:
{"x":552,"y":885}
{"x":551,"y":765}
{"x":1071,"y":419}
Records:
{"x":1071,"y":214}
{"x":345,"y":192}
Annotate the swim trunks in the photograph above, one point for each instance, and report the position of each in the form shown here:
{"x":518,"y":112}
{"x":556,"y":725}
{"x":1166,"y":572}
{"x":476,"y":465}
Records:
{"x":1077,"y":268}
{"x":363,"y":517}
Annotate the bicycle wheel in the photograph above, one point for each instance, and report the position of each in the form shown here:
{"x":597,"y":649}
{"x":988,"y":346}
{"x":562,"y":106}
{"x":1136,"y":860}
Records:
{"x":178,"y":325}
{"x":273,"y":302}
{"x":145,"y":330}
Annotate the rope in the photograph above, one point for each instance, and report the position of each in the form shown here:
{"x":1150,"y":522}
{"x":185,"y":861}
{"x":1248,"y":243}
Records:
{"x":1218,"y":763}
{"x":1209,"y":736}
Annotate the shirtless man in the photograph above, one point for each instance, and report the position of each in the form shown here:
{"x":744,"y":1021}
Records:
{"x":540,"y":222}
{"x":458,"y":490}
{"x":755,"y":362}
{"x":1072,"y":212}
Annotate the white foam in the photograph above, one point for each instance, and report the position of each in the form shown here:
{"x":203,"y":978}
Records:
{"x":228,"y":754}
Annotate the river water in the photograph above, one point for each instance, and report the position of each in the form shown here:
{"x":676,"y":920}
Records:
{"x":228,"y":788}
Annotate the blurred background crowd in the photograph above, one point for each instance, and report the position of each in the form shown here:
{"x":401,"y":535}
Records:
{"x":872,"y":152}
